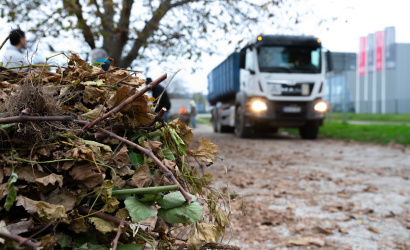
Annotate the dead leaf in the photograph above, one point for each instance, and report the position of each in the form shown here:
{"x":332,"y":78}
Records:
{"x":50,"y":212}
{"x":326,"y":231}
{"x":20,"y":227}
{"x":142,"y":178}
{"x":3,"y":190}
{"x":102,"y":225}
{"x":121,"y":158}
{"x":94,"y":95}
{"x":374,"y":230}
{"x":93,"y":114}
{"x":122,"y":213}
{"x":28,"y":204}
{"x":206,"y":151}
{"x":305,"y":241}
{"x":202,"y":233}
{"x":48,"y":242}
{"x":87,"y":174}
{"x":62,"y":197}
{"x":49,"y":182}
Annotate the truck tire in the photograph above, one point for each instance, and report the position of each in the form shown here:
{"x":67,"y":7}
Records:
{"x":309,"y":131}
{"x":214,"y":121}
{"x":222,"y":128}
{"x":240,"y":130}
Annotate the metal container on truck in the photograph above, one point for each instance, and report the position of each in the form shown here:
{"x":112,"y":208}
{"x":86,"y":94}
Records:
{"x":274,"y":81}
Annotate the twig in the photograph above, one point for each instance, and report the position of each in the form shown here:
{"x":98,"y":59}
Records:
{"x":26,"y":118}
{"x":85,"y":211}
{"x":39,"y":232}
{"x":22,"y":241}
{"x":159,"y":117}
{"x":117,"y":237}
{"x":32,"y":66}
{"x":126,"y":102}
{"x":4,"y":42}
{"x":215,"y":245}
{"x":149,"y":153}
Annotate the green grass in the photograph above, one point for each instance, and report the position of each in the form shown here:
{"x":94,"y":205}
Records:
{"x":380,"y":134}
{"x":204,"y":120}
{"x":400,"y":118}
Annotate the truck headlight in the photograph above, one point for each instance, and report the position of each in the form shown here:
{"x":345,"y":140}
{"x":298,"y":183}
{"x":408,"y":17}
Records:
{"x":321,"y":106}
{"x":258,"y":106}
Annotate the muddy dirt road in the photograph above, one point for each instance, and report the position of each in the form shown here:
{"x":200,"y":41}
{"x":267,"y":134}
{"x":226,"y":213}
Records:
{"x":310,"y":194}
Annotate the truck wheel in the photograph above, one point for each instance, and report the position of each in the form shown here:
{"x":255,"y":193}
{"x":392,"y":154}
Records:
{"x":221,"y":128}
{"x":240,"y":130}
{"x":309,"y":131}
{"x":214,"y":125}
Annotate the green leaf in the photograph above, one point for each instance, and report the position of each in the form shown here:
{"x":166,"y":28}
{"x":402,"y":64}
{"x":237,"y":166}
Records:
{"x":64,"y":240}
{"x":147,"y":198}
{"x":130,"y":247}
{"x":136,"y":159}
{"x":6,"y":126}
{"x":174,"y":199}
{"x":177,"y":139}
{"x":182,"y":214}
{"x":11,"y":197}
{"x":138,"y":210}
{"x":168,"y":154}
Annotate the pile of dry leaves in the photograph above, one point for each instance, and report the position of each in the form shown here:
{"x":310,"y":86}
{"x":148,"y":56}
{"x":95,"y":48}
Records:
{"x":86,"y":164}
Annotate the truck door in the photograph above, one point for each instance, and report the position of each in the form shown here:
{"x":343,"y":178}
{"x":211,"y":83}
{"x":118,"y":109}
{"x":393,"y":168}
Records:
{"x":247,"y":75}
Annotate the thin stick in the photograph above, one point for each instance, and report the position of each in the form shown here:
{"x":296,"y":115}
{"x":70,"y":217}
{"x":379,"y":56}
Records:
{"x":22,"y":241}
{"x":126,"y":102}
{"x":4,"y":42}
{"x":32,"y":66}
{"x":26,"y":118}
{"x":85,"y":211}
{"x":159,"y":117}
{"x":149,"y":153}
{"x":117,"y":237}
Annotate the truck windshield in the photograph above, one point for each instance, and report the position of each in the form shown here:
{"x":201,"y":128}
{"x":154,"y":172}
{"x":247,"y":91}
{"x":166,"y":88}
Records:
{"x":290,"y":59}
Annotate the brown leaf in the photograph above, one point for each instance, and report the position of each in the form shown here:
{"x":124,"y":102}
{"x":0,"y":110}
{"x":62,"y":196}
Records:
{"x":20,"y":227}
{"x":28,"y":204}
{"x":142,"y":178}
{"x":206,"y":151}
{"x":169,"y":164}
{"x":374,"y":230}
{"x":120,"y":95}
{"x":79,"y":153}
{"x":201,"y":234}
{"x":3,"y":190}
{"x":62,"y":197}
{"x":78,"y":225}
{"x":121,"y":157}
{"x":48,"y":242}
{"x":83,"y":64}
{"x":94,"y":113}
{"x":50,"y":212}
{"x":49,"y":181}
{"x":155,"y":146}
{"x":87,"y":175}
{"x":305,"y":241}
{"x":326,"y":231}
{"x":94,"y":95}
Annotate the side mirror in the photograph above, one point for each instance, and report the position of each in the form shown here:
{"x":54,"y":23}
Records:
{"x":329,"y":61}
{"x":252,"y":71}
{"x":242,"y":59}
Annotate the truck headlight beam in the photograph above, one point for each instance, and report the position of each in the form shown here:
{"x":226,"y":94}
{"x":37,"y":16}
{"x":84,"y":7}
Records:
{"x":321,"y":107}
{"x":258,"y":106}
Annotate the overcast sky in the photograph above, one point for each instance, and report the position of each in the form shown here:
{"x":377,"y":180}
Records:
{"x":355,"y":18}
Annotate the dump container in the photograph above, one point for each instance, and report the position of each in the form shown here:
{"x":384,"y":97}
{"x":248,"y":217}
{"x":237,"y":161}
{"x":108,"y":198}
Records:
{"x":223,"y":80}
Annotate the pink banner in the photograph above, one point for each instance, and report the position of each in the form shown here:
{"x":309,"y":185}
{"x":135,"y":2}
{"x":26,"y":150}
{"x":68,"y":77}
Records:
{"x":379,"y":50}
{"x":362,"y":55}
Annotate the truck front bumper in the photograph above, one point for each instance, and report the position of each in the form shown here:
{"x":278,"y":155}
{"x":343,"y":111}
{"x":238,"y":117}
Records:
{"x":284,"y":114}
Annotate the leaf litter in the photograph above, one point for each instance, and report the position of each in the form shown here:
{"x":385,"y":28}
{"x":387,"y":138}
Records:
{"x":65,"y":185}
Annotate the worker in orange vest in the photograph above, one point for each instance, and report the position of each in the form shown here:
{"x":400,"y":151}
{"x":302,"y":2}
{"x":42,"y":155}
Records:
{"x":182,"y":110}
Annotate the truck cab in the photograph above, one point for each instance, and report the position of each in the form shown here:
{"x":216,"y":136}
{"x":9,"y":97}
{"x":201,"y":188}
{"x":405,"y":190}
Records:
{"x":280,"y":83}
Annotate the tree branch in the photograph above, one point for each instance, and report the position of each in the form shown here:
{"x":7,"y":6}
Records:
{"x":74,"y":7}
{"x":26,"y":118}
{"x":117,"y":237}
{"x":23,"y":241}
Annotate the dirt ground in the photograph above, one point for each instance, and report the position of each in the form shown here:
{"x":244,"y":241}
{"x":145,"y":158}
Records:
{"x":325,"y":194}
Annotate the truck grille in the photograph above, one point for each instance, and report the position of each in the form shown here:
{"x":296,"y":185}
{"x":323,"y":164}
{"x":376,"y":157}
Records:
{"x":298,"y":89}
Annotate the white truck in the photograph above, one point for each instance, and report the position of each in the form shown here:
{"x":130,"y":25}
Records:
{"x":274,"y":81}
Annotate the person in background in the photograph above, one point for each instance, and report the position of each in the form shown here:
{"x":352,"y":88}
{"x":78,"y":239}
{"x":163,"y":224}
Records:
{"x":182,"y":110}
{"x":99,"y":55}
{"x":14,"y":54}
{"x":193,"y":113}
{"x":163,"y":102}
